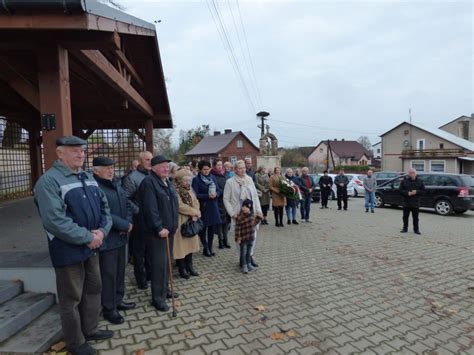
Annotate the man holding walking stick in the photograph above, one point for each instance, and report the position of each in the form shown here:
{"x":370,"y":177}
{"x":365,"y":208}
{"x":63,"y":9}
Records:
{"x":159,"y":218}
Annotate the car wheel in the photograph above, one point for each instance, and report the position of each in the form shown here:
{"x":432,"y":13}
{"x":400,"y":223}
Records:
{"x":379,"y":202}
{"x":443,"y":207}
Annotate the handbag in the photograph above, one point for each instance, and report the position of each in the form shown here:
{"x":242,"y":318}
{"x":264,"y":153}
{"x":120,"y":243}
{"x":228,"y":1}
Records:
{"x":190,"y":228}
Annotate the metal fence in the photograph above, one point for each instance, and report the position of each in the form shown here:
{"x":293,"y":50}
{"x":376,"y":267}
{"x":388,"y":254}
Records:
{"x":122,"y":145}
{"x":15,"y":166}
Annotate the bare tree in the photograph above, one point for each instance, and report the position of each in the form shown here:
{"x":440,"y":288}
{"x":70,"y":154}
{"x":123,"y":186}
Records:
{"x":365,"y":141}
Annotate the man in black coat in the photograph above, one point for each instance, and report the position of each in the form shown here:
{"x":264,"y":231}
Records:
{"x":112,"y":257}
{"x":325,"y":183}
{"x":411,"y":188}
{"x":341,"y":181}
{"x":159,"y":216}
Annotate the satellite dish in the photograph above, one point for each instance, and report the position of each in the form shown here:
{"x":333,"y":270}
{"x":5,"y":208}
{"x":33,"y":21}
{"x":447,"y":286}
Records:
{"x":406,"y":143}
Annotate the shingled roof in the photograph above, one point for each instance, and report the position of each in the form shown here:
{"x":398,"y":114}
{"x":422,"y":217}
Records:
{"x":348,"y":149}
{"x":210,"y":145}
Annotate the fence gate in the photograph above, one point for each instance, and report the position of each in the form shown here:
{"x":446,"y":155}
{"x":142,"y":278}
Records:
{"x":15,"y":165}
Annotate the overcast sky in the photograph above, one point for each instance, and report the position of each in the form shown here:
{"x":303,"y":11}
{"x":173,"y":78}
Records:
{"x":333,"y":69}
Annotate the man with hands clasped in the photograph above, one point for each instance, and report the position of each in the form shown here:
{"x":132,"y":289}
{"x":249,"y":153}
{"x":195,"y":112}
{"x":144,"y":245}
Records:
{"x":411,"y":188}
{"x":76,"y":217}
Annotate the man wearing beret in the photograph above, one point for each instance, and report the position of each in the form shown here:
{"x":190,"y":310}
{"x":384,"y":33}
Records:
{"x":75,"y":215}
{"x":112,"y":257}
{"x":159,"y":212}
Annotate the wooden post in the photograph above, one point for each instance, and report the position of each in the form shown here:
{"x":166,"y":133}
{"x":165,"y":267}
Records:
{"x":35,"y":154}
{"x":55,"y":97}
{"x":149,"y":135}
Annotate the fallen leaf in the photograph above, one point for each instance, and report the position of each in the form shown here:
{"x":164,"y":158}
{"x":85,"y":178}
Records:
{"x":199,"y":323}
{"x":313,"y":343}
{"x":188,"y":334}
{"x":260,"y":308}
{"x":278,"y":336}
{"x":291,"y":333}
{"x":140,"y":352}
{"x":177,"y":303}
{"x":242,"y":322}
{"x":450,"y":311}
{"x":58,"y":346}
{"x":437,"y":304}
{"x":263,"y":319}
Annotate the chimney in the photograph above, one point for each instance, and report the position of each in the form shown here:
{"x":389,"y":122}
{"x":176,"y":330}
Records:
{"x":335,"y":139}
{"x":342,"y":139}
{"x":217,"y":133}
{"x":227,"y":131}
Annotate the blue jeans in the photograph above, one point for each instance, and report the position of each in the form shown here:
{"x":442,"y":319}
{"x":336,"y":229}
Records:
{"x":290,"y":212}
{"x":245,"y":252}
{"x":369,"y":200}
{"x":306,"y":207}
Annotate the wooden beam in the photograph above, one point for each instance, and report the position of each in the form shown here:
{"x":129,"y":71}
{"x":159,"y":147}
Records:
{"x":19,"y":83}
{"x":55,"y":96}
{"x":103,"y":41}
{"x":130,"y":68}
{"x":149,"y":135}
{"x":99,"y":64}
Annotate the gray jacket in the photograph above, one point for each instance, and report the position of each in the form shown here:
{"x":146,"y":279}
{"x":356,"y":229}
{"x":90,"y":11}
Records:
{"x":131,"y":183}
{"x":370,"y":183}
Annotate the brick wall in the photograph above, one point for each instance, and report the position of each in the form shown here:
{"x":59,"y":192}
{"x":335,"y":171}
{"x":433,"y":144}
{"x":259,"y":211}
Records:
{"x":241,"y":153}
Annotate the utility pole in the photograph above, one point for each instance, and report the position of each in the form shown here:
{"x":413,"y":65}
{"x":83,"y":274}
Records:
{"x":262,"y":115}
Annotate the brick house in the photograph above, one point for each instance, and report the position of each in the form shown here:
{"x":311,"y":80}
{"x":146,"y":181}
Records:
{"x":426,"y":149}
{"x":343,"y":152}
{"x":228,"y":146}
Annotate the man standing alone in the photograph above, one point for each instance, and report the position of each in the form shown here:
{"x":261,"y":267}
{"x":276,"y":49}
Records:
{"x":76,"y":218}
{"x":325,"y":183}
{"x":411,"y":189}
{"x":341,"y":182}
{"x":306,"y":185}
{"x":370,"y":185}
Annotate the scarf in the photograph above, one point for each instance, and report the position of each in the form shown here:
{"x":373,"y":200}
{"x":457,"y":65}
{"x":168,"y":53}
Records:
{"x":185,"y":194}
{"x":245,"y":183}
{"x":219,"y":172}
{"x":206,"y":179}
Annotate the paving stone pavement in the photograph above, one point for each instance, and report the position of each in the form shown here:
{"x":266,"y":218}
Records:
{"x":347,"y":283}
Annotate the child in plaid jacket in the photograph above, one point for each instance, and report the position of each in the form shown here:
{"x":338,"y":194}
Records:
{"x":245,"y":234}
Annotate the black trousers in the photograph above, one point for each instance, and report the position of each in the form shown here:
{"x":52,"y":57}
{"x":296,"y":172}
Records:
{"x":265,"y":210}
{"x":222,"y":230}
{"x":207,"y":236}
{"x":159,"y":266}
{"x":112,"y":271}
{"x":341,"y":197}
{"x":79,"y":288}
{"x":325,"y":193}
{"x":415,"y":211}
{"x":141,"y":257}
{"x":278,"y":212}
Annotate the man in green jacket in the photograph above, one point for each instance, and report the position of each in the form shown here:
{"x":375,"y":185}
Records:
{"x":76,"y":218}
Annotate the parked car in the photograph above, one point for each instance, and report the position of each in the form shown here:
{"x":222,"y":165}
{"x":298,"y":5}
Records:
{"x":317,"y":190}
{"x":350,"y":188}
{"x":357,"y":184}
{"x":383,"y":176}
{"x":446,"y":193}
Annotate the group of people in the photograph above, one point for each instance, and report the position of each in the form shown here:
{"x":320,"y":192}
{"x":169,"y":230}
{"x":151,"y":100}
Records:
{"x":91,"y":219}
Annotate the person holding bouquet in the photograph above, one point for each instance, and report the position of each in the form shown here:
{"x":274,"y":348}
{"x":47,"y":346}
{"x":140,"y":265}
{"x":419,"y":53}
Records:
{"x":278,"y":199}
{"x":292,"y":199}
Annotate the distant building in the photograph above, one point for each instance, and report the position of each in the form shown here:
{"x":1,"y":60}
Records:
{"x":228,"y":146}
{"x":377,"y":150}
{"x":462,"y":127}
{"x":426,"y":149}
{"x":343,"y":152}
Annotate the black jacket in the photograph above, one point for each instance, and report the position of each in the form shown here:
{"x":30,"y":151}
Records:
{"x":327,"y":180}
{"x":158,"y":205}
{"x":120,"y":210}
{"x":341,"y":179}
{"x":221,"y":180}
{"x":301,"y":181}
{"x":407,"y":185}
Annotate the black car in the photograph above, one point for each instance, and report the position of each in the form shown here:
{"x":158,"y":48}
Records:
{"x":317,"y":190}
{"x":446,"y":193}
{"x":384,"y":176}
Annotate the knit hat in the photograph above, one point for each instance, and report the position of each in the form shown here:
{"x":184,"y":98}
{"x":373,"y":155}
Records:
{"x":248,"y":203}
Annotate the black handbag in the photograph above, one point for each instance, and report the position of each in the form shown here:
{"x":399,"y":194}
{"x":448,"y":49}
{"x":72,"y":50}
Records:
{"x":190,"y":228}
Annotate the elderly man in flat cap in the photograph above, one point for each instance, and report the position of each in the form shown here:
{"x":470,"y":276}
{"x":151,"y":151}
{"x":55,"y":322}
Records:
{"x":159,"y":211}
{"x":76,"y":217}
{"x":113,"y":256}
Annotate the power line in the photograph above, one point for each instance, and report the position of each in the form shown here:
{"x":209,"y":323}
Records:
{"x":248,"y":53}
{"x":221,"y":29}
{"x":323,"y":128}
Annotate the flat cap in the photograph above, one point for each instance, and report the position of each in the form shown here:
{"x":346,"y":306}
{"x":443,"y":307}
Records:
{"x":158,"y":160}
{"x":102,"y":161}
{"x":70,"y":141}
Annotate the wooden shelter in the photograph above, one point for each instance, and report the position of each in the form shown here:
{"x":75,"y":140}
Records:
{"x":75,"y":66}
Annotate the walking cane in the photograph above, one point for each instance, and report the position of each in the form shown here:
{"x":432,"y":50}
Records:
{"x":170,"y":270}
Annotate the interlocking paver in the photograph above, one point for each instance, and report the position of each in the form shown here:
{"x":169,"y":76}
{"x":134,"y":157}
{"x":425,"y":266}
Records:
{"x":349,"y":282}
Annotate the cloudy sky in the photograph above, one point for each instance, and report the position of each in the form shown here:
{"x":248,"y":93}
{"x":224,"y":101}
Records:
{"x":324,"y":69}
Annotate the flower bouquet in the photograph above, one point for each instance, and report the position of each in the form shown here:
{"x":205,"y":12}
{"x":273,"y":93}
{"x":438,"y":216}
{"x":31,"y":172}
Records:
{"x":289,"y":189}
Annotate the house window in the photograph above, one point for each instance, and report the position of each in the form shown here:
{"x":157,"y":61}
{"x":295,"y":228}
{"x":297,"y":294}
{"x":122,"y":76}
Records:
{"x":233,"y":159}
{"x":441,"y":146}
{"x":420,"y":144}
{"x":321,"y":150}
{"x":240,"y":143}
{"x":378,"y":151}
{"x":437,"y":166}
{"x":406,"y":132}
{"x":418,"y":165}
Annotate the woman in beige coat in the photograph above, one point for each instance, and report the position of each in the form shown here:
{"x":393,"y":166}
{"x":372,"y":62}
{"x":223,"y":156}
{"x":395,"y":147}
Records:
{"x":278,"y":200}
{"x":184,"y":247}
